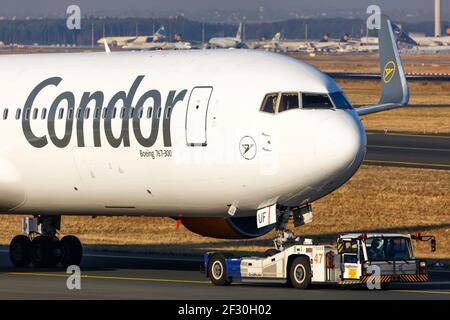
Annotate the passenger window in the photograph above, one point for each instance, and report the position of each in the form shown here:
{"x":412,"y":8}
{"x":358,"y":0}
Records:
{"x":149,"y":112}
{"x":316,"y":101}
{"x":114,"y":113}
{"x":97,"y":113}
{"x":35,"y":114}
{"x":27,"y":114}
{"x":5,"y":114}
{"x":70,"y":114}
{"x":131,"y":113}
{"x":288,"y":101}
{"x":104,"y":113}
{"x":61,"y":113}
{"x":44,"y":113}
{"x":168,"y":113}
{"x":270,"y":103}
{"x":79,"y":113}
{"x":141,"y":112}
{"x":18,"y":112}
{"x":122,"y":113}
{"x":86,"y":113}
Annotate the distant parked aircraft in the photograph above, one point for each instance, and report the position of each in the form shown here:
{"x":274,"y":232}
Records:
{"x":127,"y":40}
{"x":228,"y":42}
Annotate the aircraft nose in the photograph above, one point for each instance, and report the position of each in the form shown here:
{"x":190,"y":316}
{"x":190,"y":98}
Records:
{"x":340,"y":143}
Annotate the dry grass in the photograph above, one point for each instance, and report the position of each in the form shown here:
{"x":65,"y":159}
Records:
{"x":428,"y":120}
{"x":423,"y":120}
{"x":421,"y":93}
{"x":369,"y":62}
{"x":375,"y":199}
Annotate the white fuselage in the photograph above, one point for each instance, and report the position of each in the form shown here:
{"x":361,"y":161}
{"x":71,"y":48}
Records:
{"x":158,"y":46}
{"x":226,"y":42}
{"x":191,"y":162}
{"x":432,"y":41}
{"x":116,"y":41}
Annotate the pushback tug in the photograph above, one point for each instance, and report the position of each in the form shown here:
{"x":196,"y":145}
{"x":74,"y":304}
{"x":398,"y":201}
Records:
{"x":354,"y":259}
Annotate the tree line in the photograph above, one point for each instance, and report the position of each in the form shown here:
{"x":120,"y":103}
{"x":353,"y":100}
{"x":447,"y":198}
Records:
{"x":55,"y":31}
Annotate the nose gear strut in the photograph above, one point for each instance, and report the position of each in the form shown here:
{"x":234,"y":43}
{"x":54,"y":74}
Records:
{"x":300,"y":215}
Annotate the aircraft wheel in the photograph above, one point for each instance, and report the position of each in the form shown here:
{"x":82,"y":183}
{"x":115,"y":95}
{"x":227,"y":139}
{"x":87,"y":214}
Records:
{"x":20,"y":251}
{"x":72,"y":251}
{"x":45,"y":252}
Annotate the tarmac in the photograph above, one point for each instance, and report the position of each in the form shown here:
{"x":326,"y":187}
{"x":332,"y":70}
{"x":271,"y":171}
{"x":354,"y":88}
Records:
{"x":106,"y":275}
{"x":430,"y":151}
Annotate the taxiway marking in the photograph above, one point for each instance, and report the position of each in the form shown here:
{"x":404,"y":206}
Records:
{"x":408,"y":163}
{"x":424,"y":291}
{"x":408,"y":135}
{"x":58,"y":275}
{"x":407,"y":148}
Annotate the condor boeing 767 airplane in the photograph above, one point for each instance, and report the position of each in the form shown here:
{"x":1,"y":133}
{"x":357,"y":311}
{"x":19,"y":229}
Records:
{"x":211,"y":136}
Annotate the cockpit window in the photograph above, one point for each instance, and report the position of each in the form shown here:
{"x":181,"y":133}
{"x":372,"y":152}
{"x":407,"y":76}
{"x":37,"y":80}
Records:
{"x":316,"y":101}
{"x":340,"y":101}
{"x":288,"y":101}
{"x":270,"y":103}
{"x":283,"y":101}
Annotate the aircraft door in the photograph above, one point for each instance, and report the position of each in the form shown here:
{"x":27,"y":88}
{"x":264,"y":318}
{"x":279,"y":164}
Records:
{"x":196,"y":116}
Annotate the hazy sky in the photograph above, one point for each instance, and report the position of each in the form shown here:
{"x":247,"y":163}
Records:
{"x":422,"y":9}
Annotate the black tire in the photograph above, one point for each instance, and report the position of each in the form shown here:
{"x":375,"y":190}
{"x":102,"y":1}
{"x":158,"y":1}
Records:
{"x":72,"y":251}
{"x":300,"y":273}
{"x":385,"y":285}
{"x":271,"y":252}
{"x":45,"y":252}
{"x":20,"y":251}
{"x":217,"y":270}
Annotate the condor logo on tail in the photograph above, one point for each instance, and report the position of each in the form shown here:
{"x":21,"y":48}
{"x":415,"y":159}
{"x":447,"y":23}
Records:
{"x":389,"y":71}
{"x":98,"y":96}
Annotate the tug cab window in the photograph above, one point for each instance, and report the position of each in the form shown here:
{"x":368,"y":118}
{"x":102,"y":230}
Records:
{"x":350,"y":251}
{"x":316,"y":101}
{"x":270,"y":103}
{"x":391,"y":248}
{"x":288,"y":101}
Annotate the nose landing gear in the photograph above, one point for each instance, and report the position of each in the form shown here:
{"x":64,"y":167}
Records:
{"x":300,"y":216}
{"x":40,"y":246}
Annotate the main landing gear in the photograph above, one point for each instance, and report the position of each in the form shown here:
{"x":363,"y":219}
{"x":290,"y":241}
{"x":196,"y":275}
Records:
{"x":40,"y":246}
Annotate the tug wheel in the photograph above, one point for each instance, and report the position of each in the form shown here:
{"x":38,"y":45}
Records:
{"x":385,"y":285}
{"x":300,"y":273}
{"x":217,"y":270}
